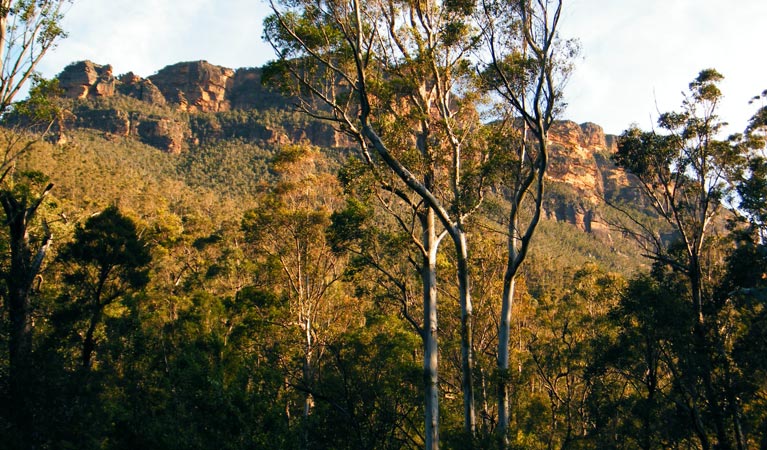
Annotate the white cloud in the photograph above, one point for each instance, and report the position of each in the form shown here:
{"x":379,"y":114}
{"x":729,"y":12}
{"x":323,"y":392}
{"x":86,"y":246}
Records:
{"x":645,"y":52}
{"x":635,"y":52}
{"x":145,"y":35}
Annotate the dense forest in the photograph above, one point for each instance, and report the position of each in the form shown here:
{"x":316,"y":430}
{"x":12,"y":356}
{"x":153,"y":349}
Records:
{"x":376,"y":241}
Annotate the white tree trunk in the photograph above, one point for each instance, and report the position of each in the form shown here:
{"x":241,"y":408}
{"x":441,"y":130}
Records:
{"x":467,"y":333}
{"x":504,"y":334}
{"x":430,"y":348}
{"x":5,"y":6}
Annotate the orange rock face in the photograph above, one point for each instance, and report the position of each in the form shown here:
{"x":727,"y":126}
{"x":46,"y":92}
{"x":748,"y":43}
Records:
{"x":87,"y":79}
{"x":195,"y":86}
{"x":133,"y":85}
{"x":164,"y":133}
{"x":580,"y":158}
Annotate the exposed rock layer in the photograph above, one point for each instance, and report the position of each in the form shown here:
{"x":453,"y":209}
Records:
{"x":579,"y":154}
{"x":580,"y":158}
{"x":195,"y":86}
{"x":133,"y":85}
{"x":86,"y":79}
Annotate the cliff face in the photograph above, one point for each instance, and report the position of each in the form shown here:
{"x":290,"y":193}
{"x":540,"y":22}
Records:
{"x":189,"y":87}
{"x":571,"y":158}
{"x":134,"y":86}
{"x":193,"y":87}
{"x":579,"y":158}
{"x":580,"y":175}
{"x":86,"y":79}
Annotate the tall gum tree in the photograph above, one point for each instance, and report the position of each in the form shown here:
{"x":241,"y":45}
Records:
{"x":391,"y":76}
{"x":28,"y":30}
{"x":393,"y":238}
{"x":404,"y":241}
{"x":287,"y":230}
{"x":686,"y":174}
{"x":528,"y":65}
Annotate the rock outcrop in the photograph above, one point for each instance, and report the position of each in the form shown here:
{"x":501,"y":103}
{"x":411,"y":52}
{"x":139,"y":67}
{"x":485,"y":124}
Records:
{"x":580,"y":158}
{"x":247,"y":91}
{"x":87,"y":79}
{"x":113,"y":121}
{"x":195,"y":86}
{"x":572,"y":157}
{"x":167,"y":134}
{"x":134,"y":86}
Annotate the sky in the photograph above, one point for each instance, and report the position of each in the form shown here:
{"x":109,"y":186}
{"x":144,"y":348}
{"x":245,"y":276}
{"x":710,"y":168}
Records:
{"x":637,"y":56}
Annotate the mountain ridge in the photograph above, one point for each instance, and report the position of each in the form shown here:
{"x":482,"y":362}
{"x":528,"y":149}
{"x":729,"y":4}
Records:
{"x":197,"y":102}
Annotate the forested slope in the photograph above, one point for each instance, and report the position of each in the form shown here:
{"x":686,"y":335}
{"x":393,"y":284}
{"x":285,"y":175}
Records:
{"x":218,"y":277}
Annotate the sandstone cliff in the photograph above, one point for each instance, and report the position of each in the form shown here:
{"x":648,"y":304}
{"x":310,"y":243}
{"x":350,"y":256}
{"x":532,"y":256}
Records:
{"x":195,"y":86}
{"x":86,"y":79}
{"x":203,"y":103}
{"x":580,"y":159}
{"x":134,"y":86}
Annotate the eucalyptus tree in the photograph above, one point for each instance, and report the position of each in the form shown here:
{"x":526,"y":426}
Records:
{"x":526,"y":69}
{"x":396,"y":78}
{"x":28,"y":30}
{"x":751,"y":186}
{"x":28,"y":247}
{"x":686,"y":174}
{"x":21,"y":196}
{"x":287,"y":232}
{"x":106,"y":261}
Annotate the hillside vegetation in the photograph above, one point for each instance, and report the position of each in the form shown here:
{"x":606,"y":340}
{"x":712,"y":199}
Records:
{"x":226,"y":277}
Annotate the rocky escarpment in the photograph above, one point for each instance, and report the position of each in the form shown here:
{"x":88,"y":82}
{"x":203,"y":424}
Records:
{"x":134,"y":86}
{"x":166,"y":133}
{"x":579,"y":158}
{"x":85,"y":79}
{"x":195,"y":103}
{"x":193,"y":87}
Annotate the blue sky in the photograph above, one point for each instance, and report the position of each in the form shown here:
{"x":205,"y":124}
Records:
{"x":637,"y":55}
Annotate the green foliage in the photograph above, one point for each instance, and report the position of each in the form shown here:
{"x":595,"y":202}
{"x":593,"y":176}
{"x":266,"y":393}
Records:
{"x":130,"y":105}
{"x":347,"y":224}
{"x":687,"y":175}
{"x":109,"y":240}
{"x":752,"y":190}
{"x":106,"y":260}
{"x":225,"y":258}
{"x":646,"y":154}
{"x":560,"y":339}
{"x":31,"y":28}
{"x":235,"y":169}
{"x":373,"y":379}
{"x":40,"y":108}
